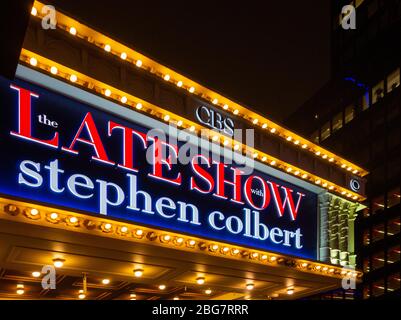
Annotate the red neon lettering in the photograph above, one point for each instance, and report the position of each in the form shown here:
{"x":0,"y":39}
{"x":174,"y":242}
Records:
{"x":94,"y":141}
{"x":24,"y":118}
{"x":128,"y":152}
{"x":280,"y":205}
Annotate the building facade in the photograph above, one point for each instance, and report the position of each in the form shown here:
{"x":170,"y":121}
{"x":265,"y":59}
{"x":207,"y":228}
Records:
{"x":98,"y":204}
{"x":358,"y":114}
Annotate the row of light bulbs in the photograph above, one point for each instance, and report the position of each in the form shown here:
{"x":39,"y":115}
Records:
{"x":165,"y":238}
{"x":179,"y":83}
{"x":223,"y":140}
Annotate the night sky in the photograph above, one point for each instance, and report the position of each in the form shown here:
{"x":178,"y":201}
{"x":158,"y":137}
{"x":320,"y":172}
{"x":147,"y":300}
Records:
{"x":270,"y":57}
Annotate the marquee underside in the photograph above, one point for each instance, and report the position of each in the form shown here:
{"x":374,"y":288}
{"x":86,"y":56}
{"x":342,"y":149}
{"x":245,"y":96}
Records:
{"x":108,"y":255}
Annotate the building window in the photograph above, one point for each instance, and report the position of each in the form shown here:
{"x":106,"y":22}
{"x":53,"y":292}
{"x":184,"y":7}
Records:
{"x":378,"y":288}
{"x":378,"y":92}
{"x":315,"y":136}
{"x":393,"y":226}
{"x":366,"y":265}
{"x":365,"y":101}
{"x":378,"y":205}
{"x":349,"y":113}
{"x":393,"y":282}
{"x":393,"y":197}
{"x":378,"y":232}
{"x":378,"y":260}
{"x":338,"y":122}
{"x":393,"y":80}
{"x":366,"y":237}
{"x":393,"y":254}
{"x":326,"y":131}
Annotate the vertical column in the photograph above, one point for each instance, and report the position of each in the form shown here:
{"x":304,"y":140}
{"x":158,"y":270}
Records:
{"x":324,"y":250}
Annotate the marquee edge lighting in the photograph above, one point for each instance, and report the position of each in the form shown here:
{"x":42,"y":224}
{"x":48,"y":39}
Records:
{"x":132,"y":102}
{"x":111,"y":46}
{"x":193,"y":243}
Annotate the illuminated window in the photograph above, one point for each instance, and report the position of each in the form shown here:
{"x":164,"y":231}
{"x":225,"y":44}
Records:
{"x":366,"y":265}
{"x":393,"y":226}
{"x":378,"y":288}
{"x":378,"y":92}
{"x":315,"y":136}
{"x":378,"y":260}
{"x":378,"y":205}
{"x":393,"y":282}
{"x":366,"y":237}
{"x":393,"y":197}
{"x":378,"y":232}
{"x":338,"y":122}
{"x":366,"y":292}
{"x":326,"y":131}
{"x":393,"y":254}
{"x":393,"y":80}
{"x":365,"y":101}
{"x":349,"y":113}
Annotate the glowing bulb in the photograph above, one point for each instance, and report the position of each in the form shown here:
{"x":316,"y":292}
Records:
{"x":289,"y":138}
{"x":296,"y":172}
{"x":34,"y":11}
{"x":208,"y":291}
{"x":167,"y":77}
{"x":215,"y":101}
{"x":20,"y":291}
{"x":255,"y":121}
{"x":236,"y":147}
{"x":53,"y":70}
{"x":290,"y":291}
{"x":255,"y":255}
{"x":318,"y":181}
{"x":226,"y":249}
{"x":58,"y":263}
{"x":249,"y":286}
{"x":106,"y":281}
{"x":138,"y":106}
{"x":36,"y":274}
{"x":273,"y":162}
{"x":73,"y":220}
{"x":255,"y":155}
{"x":138,"y":273}
{"x":107,"y":226}
{"x":138,"y":63}
{"x":73,"y":78}
{"x":200,"y":280}
{"x":123,"y":55}
{"x":81,"y":296}
{"x":162,"y":286}
{"x":225,"y":142}
{"x":273,"y":259}
{"x":192,"y":90}
{"x":139,"y":232}
{"x":107,"y":92}
{"x":73,"y":31}
{"x":166,"y":238}
{"x":318,"y":153}
{"x":304,"y":146}
{"x":264,"y":126}
{"x":53,"y":215}
{"x":107,"y":48}
{"x":264,"y":257}
{"x":179,"y":83}
{"x":236,"y":111}
{"x":273,"y":130}
{"x":176,"y":298}
{"x":192,"y":243}
{"x":235,"y":251}
{"x":331,"y":159}
{"x":215,"y":247}
{"x":225,"y":107}
{"x":296,"y":142}
{"x":304,"y":176}
{"x":132,"y":296}
{"x":215,"y":138}
{"x":304,"y":265}
{"x":264,"y":158}
{"x":33,"y":61}
{"x":289,"y":169}
{"x":34,"y":212}
{"x":124,"y":229}
{"x":324,"y":156}
{"x":192,"y":128}
{"x":123,"y":99}
{"x":166,"y":117}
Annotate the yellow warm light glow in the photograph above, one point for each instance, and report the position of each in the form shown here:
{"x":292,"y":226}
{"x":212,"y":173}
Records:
{"x":138,"y":273}
{"x":54,"y":70}
{"x":200,"y":280}
{"x":107,"y":92}
{"x":179,"y":83}
{"x":58,"y":263}
{"x":215,"y":101}
{"x":138,"y":106}
{"x":33,"y":62}
{"x":167,"y":77}
{"x":123,"y":99}
{"x":107,"y":48}
{"x":34,"y":11}
{"x":138,"y":63}
{"x":73,"y":31}
{"x":192,"y":90}
{"x":73,"y":78}
{"x":123,"y":55}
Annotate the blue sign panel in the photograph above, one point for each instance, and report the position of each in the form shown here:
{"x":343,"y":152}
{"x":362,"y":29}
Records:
{"x":64,"y":153}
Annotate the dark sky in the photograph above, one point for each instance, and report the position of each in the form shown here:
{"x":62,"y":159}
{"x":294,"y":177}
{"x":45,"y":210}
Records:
{"x":269,"y":55}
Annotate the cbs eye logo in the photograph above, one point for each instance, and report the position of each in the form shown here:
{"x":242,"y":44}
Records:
{"x":355,"y":185}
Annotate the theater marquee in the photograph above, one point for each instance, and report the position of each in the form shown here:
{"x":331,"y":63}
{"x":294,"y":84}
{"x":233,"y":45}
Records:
{"x":65,"y":153}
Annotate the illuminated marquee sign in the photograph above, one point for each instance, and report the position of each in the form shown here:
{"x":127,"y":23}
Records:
{"x":61,"y":152}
